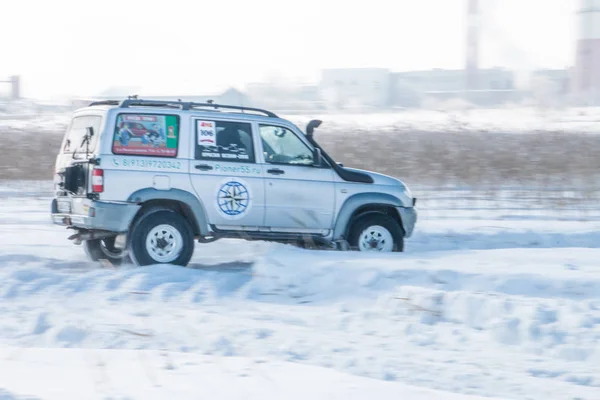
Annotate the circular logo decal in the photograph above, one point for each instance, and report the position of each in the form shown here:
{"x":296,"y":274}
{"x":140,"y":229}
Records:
{"x":233,"y":198}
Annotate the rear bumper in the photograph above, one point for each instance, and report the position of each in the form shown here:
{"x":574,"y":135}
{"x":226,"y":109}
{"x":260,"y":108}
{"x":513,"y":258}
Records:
{"x":408,"y":216}
{"x":94,"y":215}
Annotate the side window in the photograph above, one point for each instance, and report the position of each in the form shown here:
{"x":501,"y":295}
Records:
{"x":224,"y":141}
{"x":282,"y":146}
{"x":146,"y":135}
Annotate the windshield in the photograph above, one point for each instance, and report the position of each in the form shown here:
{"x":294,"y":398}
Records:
{"x":76,"y":132}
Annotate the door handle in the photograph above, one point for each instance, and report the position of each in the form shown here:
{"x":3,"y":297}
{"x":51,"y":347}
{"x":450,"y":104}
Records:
{"x":203,"y":167}
{"x":276,"y":171}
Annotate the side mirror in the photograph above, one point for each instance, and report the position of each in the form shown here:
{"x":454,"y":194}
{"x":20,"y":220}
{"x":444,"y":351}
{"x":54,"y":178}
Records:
{"x":310,"y":128}
{"x":340,"y":164}
{"x":317,"y":158}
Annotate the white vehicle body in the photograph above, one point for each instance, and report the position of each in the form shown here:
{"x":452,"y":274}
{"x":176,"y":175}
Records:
{"x":251,"y":189}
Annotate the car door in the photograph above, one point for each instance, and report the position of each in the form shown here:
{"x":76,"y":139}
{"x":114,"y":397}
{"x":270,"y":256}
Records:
{"x":300,"y":197}
{"x":225,"y":175}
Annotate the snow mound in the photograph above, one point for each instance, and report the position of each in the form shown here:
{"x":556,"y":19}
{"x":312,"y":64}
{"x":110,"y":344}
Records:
{"x":416,"y":320}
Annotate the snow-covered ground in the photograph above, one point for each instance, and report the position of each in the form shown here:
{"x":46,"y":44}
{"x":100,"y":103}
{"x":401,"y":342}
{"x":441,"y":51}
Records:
{"x":505,"y":120}
{"x":28,"y":115}
{"x":151,"y":374}
{"x":496,"y":303}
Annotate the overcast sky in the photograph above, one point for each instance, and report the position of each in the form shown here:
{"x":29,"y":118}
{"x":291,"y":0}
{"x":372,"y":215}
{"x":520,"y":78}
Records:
{"x":80,"y":47}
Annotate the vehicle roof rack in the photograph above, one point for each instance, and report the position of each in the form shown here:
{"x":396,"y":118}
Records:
{"x":104,"y":103}
{"x":155,"y":103}
{"x":230,"y":107}
{"x":185,"y":105}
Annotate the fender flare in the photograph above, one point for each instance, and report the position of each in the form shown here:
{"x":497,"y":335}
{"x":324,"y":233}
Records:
{"x":356,"y":201}
{"x":182,"y":196}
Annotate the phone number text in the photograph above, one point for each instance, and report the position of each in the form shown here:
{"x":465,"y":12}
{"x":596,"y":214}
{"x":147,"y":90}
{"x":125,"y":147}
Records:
{"x":141,"y":163}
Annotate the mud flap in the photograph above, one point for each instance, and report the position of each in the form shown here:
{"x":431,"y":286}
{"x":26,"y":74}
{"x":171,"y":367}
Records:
{"x":342,"y":245}
{"x":121,"y":241}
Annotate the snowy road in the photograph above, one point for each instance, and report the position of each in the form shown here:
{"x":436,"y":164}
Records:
{"x":479,"y":304}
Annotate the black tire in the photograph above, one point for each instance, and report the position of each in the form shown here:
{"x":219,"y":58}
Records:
{"x":372,"y":220}
{"x":139,"y":234}
{"x":104,"y":249}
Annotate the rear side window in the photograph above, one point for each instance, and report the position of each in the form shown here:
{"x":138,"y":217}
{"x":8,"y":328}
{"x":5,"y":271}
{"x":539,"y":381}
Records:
{"x":146,"y":135}
{"x":73,"y":142}
{"x":224,"y":141}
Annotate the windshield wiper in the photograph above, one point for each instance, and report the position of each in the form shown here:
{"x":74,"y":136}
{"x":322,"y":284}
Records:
{"x":85,"y":140}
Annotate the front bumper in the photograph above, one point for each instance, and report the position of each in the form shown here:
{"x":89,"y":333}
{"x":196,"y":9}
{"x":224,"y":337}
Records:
{"x":85,"y":213}
{"x":408,"y":216}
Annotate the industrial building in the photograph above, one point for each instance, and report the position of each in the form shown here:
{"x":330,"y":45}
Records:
{"x":381,"y":88}
{"x":11,"y":88}
{"x":356,"y":87}
{"x":493,"y":86}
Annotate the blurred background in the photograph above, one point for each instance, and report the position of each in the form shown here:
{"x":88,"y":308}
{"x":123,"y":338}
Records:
{"x":453,"y":93}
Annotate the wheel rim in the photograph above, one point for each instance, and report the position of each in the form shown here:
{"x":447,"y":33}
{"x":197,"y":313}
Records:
{"x":164,"y":243}
{"x":376,"y":238}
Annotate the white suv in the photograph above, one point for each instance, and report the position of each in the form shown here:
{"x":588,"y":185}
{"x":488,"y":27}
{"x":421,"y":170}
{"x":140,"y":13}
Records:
{"x":144,"y":179}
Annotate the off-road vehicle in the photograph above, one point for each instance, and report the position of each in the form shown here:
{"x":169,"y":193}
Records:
{"x":214,"y":171}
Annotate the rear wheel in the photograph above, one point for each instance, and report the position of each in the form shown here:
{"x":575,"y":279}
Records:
{"x":162,"y":237}
{"x":376,"y":232}
{"x":104,"y":249}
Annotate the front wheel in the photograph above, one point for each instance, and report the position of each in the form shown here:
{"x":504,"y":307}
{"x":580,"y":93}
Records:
{"x":376,"y":232}
{"x":162,"y":237}
{"x":104,"y":249}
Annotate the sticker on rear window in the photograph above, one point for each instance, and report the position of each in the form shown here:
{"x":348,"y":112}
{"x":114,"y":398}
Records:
{"x":146,"y":135}
{"x":207,"y":134}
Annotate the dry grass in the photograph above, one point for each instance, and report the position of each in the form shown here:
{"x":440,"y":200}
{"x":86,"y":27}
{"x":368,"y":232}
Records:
{"x":420,"y":158}
{"x":471,"y":158}
{"x":28,"y":155}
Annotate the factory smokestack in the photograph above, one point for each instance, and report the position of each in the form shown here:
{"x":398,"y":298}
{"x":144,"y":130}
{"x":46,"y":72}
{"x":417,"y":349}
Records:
{"x":472,"y":61}
{"x":587,"y":64}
